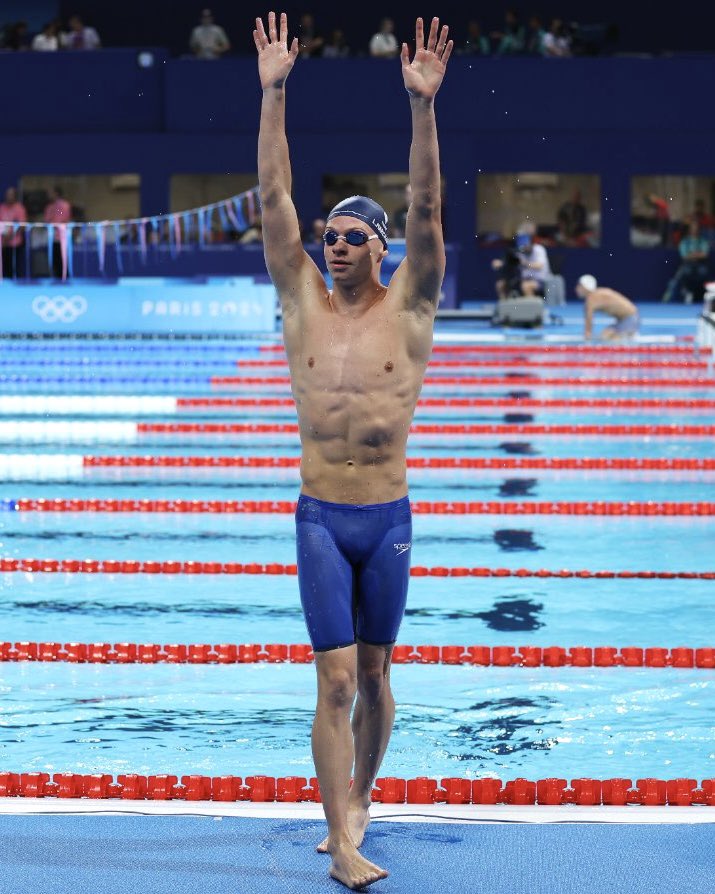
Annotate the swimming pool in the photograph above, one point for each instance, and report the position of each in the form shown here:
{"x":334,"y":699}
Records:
{"x":247,"y":719}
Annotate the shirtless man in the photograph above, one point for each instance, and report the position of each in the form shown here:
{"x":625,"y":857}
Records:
{"x":357,"y":357}
{"x":611,"y":302}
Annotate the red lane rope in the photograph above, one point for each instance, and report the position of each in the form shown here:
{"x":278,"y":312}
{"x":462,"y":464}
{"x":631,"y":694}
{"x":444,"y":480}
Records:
{"x":529,"y":364}
{"x":585,"y":403}
{"x":441,"y":429}
{"x":300,"y":653}
{"x":134,"y":566}
{"x":546,"y":349}
{"x":648,"y":792}
{"x":432,"y":462}
{"x":420,"y":507}
{"x":502,"y":381}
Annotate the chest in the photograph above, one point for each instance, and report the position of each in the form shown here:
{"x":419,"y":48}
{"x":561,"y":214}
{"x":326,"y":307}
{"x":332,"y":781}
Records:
{"x":375,"y":352}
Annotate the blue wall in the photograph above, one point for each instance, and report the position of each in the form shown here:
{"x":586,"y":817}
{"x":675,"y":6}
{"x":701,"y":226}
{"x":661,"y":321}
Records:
{"x":618,"y":117}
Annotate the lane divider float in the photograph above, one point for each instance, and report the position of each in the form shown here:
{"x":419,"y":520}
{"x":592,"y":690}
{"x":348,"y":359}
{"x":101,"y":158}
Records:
{"x":648,"y":792}
{"x":146,"y":405}
{"x":661,"y":464}
{"x":518,"y":363}
{"x":527,"y":348}
{"x":595,"y":508}
{"x":225,"y":428}
{"x":135,"y":566}
{"x":301,"y":653}
{"x":496,"y":381}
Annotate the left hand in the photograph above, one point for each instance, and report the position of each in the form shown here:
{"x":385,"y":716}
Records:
{"x":423,"y":76}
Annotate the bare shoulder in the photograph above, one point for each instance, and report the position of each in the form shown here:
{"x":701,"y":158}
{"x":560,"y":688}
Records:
{"x":300,"y":286}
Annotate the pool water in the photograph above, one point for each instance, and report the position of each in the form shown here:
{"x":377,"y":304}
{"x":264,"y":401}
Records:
{"x":244,"y":719}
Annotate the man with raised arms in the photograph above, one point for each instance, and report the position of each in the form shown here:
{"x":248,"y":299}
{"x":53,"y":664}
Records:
{"x":357,"y":355}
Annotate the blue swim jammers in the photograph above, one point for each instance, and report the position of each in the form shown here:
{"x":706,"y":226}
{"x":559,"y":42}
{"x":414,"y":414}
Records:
{"x":353,"y":570}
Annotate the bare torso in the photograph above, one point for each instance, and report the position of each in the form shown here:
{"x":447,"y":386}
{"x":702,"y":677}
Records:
{"x":611,"y":302}
{"x":355,"y":380}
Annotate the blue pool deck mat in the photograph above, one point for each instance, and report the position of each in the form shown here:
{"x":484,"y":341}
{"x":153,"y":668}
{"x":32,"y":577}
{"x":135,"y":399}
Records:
{"x":173,"y":854}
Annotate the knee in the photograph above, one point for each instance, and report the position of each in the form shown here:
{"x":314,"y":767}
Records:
{"x":372,"y":683}
{"x":337,"y":690}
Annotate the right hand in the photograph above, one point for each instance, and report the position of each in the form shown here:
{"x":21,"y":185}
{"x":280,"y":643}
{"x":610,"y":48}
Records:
{"x":275,"y":60}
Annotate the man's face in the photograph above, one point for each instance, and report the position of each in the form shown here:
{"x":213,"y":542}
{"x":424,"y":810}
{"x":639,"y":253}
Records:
{"x":388,"y":26}
{"x":351,"y":263}
{"x":10,"y":195}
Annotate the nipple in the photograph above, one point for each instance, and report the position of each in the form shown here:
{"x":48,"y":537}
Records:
{"x":311,"y":362}
{"x":389,"y":366}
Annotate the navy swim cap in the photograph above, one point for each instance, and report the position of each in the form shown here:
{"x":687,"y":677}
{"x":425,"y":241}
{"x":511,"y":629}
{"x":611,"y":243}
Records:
{"x":366,"y":210}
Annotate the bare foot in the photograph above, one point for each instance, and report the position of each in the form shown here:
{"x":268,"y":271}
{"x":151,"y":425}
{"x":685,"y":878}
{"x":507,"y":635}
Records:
{"x":352,"y":869}
{"x":358,"y":821}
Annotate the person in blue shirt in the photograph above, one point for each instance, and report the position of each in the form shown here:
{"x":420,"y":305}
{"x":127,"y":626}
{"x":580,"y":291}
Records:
{"x":690,"y":277}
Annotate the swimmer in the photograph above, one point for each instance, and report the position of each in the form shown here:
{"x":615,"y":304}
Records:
{"x":357,"y":355}
{"x":611,"y":302}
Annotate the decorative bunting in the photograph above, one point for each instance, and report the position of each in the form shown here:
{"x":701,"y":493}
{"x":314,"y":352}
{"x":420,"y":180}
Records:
{"x":230,"y":215}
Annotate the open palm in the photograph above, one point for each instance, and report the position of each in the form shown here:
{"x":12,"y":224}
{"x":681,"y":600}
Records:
{"x":275,"y":59}
{"x":423,"y":76}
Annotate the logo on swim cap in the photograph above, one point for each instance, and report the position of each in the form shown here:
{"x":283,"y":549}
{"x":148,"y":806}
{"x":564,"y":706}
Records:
{"x":366,"y":210}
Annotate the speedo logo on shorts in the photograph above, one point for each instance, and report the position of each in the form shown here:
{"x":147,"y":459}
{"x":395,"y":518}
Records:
{"x":401,"y":548}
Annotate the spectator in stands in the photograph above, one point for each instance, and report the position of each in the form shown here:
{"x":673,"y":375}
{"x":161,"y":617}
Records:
{"x":525,"y":268}
{"x":47,"y":41}
{"x":208,"y":40}
{"x":608,"y":301}
{"x":706,"y":221}
{"x":309,"y":41}
{"x":661,"y":216}
{"x":399,"y":218}
{"x":80,"y":36}
{"x":476,"y":44}
{"x":511,"y":39}
{"x":57,"y":211}
{"x":535,"y":37}
{"x":12,"y":211}
{"x":315,"y":234}
{"x":690,"y":277}
{"x":383,"y":44}
{"x":335,"y":47}
{"x":17,"y":36}
{"x":557,"y":42}
{"x":572,"y":217}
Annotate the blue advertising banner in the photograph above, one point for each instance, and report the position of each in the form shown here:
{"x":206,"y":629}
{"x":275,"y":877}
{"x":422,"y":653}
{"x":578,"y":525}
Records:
{"x":147,"y":304}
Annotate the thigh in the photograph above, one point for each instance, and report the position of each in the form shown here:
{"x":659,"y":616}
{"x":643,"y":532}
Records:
{"x":382,"y":587}
{"x":325,"y":580}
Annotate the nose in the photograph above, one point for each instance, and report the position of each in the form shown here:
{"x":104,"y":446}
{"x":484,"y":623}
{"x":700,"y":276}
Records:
{"x":340,"y":247}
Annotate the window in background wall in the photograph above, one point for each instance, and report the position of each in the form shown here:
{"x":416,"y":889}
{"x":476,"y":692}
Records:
{"x":664,"y":207}
{"x":92,"y":196}
{"x":557,"y":209}
{"x":196,"y":190}
{"x":389,"y":190}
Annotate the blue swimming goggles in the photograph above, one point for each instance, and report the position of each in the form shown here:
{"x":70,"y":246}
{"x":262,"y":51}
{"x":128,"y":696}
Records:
{"x":352,"y":237}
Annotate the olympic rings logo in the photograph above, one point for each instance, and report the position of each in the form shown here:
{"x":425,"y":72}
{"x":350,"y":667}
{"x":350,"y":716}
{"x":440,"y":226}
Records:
{"x":59,"y":308}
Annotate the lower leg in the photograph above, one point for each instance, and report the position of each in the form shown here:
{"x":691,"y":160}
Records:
{"x":372,"y":726}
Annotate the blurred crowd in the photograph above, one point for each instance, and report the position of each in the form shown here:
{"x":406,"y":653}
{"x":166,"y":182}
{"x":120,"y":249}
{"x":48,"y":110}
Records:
{"x":55,"y":35}
{"x":208,"y":39}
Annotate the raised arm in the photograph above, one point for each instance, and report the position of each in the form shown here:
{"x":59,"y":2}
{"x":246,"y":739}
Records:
{"x":284,"y":252}
{"x":425,"y":262}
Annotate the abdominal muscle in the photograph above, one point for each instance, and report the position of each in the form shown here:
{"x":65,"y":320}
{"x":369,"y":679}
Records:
{"x":349,"y":459}
{"x":355,"y":394}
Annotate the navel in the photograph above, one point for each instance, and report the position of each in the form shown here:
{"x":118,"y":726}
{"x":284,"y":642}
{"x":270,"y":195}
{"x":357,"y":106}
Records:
{"x":311,"y":362}
{"x":389,"y":366}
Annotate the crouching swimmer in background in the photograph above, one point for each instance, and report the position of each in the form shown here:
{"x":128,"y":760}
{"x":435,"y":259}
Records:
{"x":599,"y":298}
